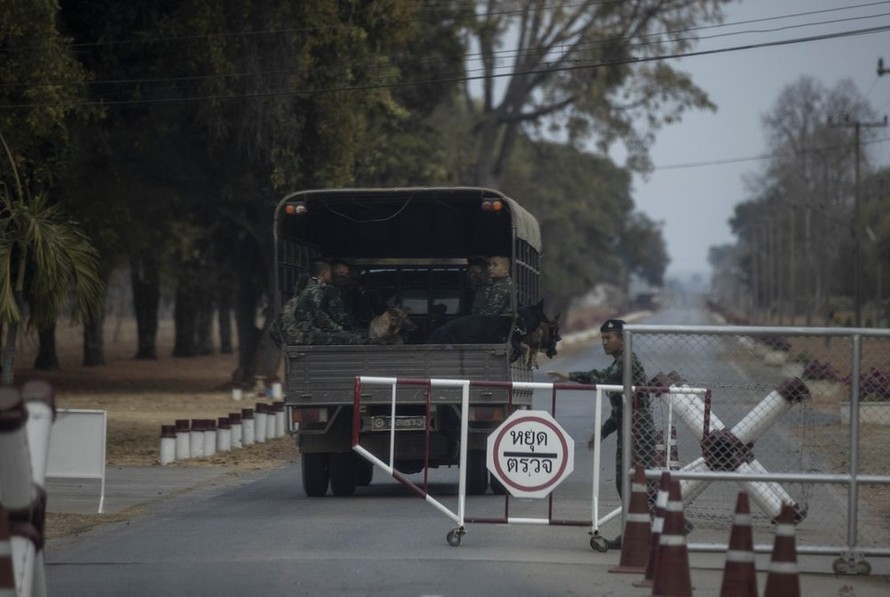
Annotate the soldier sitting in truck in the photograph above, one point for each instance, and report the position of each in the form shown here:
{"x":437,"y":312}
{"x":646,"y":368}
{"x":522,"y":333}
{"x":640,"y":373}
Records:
{"x":318,"y":315}
{"x":498,"y":290}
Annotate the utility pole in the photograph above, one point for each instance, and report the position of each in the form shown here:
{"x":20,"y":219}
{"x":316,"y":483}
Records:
{"x":857,"y":243}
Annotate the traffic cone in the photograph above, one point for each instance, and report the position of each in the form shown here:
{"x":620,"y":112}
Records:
{"x":637,"y":534}
{"x":672,"y":577}
{"x":657,"y":525}
{"x":782,"y":579}
{"x":739,"y":574}
{"x":7,"y":572}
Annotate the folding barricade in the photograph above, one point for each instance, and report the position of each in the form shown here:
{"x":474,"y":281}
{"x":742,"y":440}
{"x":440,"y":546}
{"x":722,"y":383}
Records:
{"x":597,"y":541}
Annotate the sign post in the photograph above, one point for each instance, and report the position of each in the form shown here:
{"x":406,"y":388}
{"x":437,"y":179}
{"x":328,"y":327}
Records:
{"x":530,"y":454}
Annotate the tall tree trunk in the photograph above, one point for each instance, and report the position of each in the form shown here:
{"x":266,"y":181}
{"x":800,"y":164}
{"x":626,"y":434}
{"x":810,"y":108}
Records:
{"x":224,"y":302}
{"x":204,"y":322}
{"x":146,"y":279}
{"x":94,"y":340}
{"x":184,"y":314}
{"x":47,"y":359}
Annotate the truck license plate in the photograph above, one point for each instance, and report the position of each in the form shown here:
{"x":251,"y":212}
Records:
{"x":402,"y":423}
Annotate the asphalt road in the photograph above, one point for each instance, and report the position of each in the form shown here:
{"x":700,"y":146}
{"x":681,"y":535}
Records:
{"x":261,"y":536}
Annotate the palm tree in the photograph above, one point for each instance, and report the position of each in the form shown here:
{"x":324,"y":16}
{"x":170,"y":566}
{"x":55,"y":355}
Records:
{"x":46,"y":262}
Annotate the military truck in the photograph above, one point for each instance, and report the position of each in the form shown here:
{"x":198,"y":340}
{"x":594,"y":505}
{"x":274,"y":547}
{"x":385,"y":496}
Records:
{"x":411,"y":246}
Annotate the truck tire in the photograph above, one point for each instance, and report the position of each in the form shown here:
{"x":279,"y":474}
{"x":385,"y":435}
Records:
{"x":344,"y":473}
{"x":315,"y":474}
{"x":477,"y":473}
{"x":364,"y":472}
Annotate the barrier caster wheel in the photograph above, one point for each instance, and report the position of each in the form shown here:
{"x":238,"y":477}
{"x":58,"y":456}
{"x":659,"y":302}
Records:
{"x":454,"y":537}
{"x":845,"y":566}
{"x":598,"y":542}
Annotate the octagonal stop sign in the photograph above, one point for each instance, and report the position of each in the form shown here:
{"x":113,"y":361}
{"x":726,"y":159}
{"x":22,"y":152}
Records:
{"x":530,"y":453}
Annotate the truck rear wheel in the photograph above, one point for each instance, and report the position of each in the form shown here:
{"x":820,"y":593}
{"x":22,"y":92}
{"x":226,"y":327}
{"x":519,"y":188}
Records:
{"x":477,"y":473}
{"x":344,"y":473}
{"x":315,"y":474}
{"x":364,"y":472}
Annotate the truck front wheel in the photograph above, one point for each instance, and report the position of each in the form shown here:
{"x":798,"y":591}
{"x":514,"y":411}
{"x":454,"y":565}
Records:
{"x":315,"y":474}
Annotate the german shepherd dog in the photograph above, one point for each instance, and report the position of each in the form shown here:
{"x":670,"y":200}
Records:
{"x":387,"y":327}
{"x":529,"y":332}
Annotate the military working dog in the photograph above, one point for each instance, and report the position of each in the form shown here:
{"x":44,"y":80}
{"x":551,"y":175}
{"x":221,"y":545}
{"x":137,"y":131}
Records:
{"x":387,"y":328}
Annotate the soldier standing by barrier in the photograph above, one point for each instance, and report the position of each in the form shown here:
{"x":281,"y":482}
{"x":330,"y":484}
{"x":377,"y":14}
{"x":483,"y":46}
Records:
{"x":643,"y":428}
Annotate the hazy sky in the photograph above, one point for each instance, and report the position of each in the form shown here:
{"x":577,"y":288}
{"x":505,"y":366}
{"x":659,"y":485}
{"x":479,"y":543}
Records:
{"x":695,"y":202}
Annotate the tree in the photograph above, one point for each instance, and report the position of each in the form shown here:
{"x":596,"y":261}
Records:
{"x":788,"y":228}
{"x":583,"y":71}
{"x":592,"y":233}
{"x":45,"y":262}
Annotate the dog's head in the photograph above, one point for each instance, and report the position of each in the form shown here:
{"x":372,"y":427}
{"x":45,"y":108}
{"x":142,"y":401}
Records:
{"x":387,"y":327}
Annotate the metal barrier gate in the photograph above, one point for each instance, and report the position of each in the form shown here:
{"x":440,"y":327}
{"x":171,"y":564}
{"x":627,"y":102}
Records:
{"x":828,"y":451}
{"x":459,"y":516}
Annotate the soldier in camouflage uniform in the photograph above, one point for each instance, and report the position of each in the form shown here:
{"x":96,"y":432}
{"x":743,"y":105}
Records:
{"x":643,"y":428}
{"x":317,"y":315}
{"x":499,"y":289}
{"x":477,"y":279}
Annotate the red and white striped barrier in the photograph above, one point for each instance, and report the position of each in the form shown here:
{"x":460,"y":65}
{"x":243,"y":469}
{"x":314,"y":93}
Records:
{"x":726,"y":449}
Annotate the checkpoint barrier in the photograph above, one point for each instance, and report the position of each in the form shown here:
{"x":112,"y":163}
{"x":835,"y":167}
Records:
{"x":597,"y":541}
{"x":726,"y":449}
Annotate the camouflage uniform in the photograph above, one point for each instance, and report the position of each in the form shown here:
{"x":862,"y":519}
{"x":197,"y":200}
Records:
{"x":496,"y":299}
{"x":643,"y":428}
{"x":318,"y":316}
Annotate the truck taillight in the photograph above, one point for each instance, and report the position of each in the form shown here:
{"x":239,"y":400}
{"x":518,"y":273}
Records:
{"x":492,"y":205}
{"x":486,"y":413}
{"x":309,"y":415}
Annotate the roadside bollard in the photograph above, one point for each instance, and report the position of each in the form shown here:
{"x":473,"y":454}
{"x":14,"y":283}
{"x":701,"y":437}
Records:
{"x":26,"y":542}
{"x":40,"y":401}
{"x":237,"y":392}
{"x":270,"y":421}
{"x":235,"y":423}
{"x":247,"y":427}
{"x":260,"y":418}
{"x":196,"y":439}
{"x":168,"y":444}
{"x":277,"y":389}
{"x":7,"y":569}
{"x":223,"y":435}
{"x":280,"y":422}
{"x":209,"y":437}
{"x":17,"y":489}
{"x":182,"y":439}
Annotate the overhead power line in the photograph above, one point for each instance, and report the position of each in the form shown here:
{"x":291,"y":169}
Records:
{"x":402,"y":84}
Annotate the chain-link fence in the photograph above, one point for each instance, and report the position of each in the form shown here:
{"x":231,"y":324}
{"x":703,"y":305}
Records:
{"x":799,"y":415}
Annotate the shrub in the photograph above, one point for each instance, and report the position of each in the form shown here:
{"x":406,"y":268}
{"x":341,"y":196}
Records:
{"x":819,"y":371}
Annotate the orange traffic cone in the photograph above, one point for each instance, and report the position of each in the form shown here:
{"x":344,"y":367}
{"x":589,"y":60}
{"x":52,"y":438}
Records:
{"x":782,"y":579}
{"x":739,"y":574}
{"x":657,"y":525}
{"x":637,"y":527}
{"x":672,"y":576}
{"x":7,"y":572}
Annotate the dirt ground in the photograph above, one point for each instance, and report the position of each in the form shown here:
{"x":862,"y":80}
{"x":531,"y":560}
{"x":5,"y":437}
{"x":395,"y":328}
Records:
{"x":139,"y":397}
